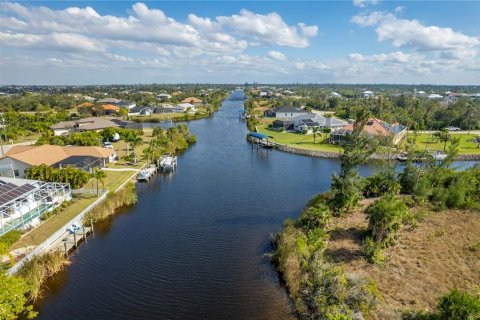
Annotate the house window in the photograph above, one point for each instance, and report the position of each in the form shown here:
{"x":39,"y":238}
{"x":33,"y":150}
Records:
{"x":286,"y":114}
{"x":16,"y":173}
{"x":291,"y":114}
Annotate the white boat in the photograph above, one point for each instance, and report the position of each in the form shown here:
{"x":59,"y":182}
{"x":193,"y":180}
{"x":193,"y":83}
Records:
{"x":168,"y":162}
{"x":143,"y":175}
{"x":439,"y":155}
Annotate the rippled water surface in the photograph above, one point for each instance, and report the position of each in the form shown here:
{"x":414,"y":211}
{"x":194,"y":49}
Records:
{"x":194,"y":246}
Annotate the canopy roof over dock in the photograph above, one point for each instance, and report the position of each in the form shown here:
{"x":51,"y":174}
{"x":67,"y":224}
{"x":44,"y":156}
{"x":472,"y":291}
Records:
{"x":258,"y":135}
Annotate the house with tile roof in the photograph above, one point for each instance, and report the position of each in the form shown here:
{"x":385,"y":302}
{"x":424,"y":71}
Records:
{"x":192,"y":100}
{"x":83,"y":157}
{"x":375,"y":128}
{"x":88,"y":124}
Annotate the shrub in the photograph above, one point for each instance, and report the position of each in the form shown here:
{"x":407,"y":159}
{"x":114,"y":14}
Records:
{"x":459,"y":306}
{"x":11,"y":237}
{"x":373,"y":251}
{"x":381,"y":183}
{"x":385,"y":217}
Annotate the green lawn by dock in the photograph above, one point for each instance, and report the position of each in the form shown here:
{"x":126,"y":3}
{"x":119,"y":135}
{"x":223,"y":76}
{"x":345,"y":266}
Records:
{"x":426,"y":141}
{"x":301,"y":141}
{"x":113,"y":180}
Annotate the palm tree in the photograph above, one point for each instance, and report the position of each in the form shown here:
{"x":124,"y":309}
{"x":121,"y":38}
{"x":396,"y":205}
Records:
{"x":100,"y":176}
{"x":443,"y":136}
{"x":136,"y":141}
{"x":315,"y":131}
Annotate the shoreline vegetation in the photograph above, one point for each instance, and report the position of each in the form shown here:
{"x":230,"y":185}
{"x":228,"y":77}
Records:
{"x":28,"y":282}
{"x":334,"y":268}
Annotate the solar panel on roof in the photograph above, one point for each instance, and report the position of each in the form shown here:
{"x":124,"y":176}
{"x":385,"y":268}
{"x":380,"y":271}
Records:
{"x":11,"y":192}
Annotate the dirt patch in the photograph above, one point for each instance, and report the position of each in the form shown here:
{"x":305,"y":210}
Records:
{"x":425,"y":264}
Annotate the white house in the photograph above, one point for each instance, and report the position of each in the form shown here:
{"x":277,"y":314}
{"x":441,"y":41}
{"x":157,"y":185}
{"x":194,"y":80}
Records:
{"x":183,"y":107}
{"x":334,"y":94}
{"x":141,"y":110}
{"x":368,"y":94}
{"x":435,"y":96}
{"x":163,"y":96}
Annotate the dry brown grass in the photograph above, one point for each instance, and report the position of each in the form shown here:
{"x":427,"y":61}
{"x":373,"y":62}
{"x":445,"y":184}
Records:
{"x":425,"y":264}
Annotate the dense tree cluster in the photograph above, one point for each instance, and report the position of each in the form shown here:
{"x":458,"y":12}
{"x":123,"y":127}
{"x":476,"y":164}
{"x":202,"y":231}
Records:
{"x":73,"y":176}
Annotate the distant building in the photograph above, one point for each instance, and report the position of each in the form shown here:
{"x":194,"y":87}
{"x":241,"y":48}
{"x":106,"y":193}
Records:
{"x":89,"y":124}
{"x":374,"y":127}
{"x":368,"y":94}
{"x":192,"y":100}
{"x":435,"y":96}
{"x":141,"y":110}
{"x":163,"y":97}
{"x":109,"y":100}
{"x":334,"y":94}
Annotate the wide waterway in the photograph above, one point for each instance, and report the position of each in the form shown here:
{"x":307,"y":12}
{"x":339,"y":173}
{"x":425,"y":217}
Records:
{"x":194,"y":245}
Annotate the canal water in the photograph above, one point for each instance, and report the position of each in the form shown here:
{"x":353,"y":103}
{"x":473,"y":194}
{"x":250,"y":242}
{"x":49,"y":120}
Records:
{"x":195,"y":245}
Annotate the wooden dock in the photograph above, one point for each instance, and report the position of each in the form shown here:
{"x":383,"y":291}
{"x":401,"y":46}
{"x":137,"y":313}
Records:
{"x":70,"y":241}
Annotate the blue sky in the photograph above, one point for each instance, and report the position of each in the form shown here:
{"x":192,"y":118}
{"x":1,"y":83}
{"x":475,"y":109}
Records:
{"x":359,"y":41}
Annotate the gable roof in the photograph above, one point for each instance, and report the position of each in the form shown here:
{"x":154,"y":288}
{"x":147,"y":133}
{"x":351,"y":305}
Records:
{"x":50,"y":154}
{"x":109,"y":100}
{"x":288,"y":109}
{"x":91,"y":123}
{"x":378,"y":127}
{"x":191,"y":100}
{"x":110,"y":107}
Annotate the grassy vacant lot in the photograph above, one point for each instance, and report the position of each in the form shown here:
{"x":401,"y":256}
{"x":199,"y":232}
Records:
{"x":427,"y":262}
{"x":466,"y":147}
{"x":301,"y":141}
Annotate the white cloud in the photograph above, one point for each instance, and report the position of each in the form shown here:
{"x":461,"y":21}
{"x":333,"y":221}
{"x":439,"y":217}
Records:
{"x":276,"y":55}
{"x":414,"y":34}
{"x":268,"y":29}
{"x":364,"y":3}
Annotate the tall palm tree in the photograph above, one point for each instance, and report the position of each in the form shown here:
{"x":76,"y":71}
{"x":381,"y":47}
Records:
{"x":315,"y":131}
{"x":136,"y":141}
{"x":100,"y":176}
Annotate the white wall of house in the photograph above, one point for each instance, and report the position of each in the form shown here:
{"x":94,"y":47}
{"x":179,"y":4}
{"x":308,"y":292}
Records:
{"x":18,"y":166}
{"x":59,"y":132}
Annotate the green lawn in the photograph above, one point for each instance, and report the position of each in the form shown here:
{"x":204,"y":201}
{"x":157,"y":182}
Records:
{"x":301,"y":141}
{"x":426,"y":141}
{"x":42,"y":232}
{"x":115,"y":178}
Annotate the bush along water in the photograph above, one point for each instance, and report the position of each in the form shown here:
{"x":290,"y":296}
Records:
{"x":124,"y":197}
{"x":321,"y":289}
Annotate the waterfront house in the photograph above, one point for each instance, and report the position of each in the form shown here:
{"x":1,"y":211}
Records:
{"x":23,"y":202}
{"x":193,"y":101}
{"x":285,"y":112}
{"x":141,"y":110}
{"x":86,"y":124}
{"x":184,"y":107}
{"x":164,"y":108}
{"x":307,"y":122}
{"x":375,"y":128}
{"x":83,"y":157}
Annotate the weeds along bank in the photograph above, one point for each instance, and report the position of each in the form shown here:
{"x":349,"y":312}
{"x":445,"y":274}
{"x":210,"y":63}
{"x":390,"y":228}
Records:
{"x":316,"y":254}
